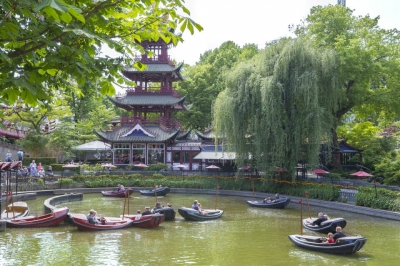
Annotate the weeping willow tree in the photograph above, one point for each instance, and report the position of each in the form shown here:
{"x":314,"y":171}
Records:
{"x":278,"y":109}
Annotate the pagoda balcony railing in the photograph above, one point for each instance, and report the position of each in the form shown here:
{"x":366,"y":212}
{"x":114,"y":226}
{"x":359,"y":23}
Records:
{"x":165,"y":123}
{"x":138,"y":90}
{"x":155,"y":59}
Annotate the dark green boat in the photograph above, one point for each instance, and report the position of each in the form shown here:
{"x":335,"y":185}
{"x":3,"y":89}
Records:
{"x":193,"y":215}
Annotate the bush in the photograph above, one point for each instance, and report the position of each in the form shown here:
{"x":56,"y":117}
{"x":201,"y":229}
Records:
{"x":156,"y":167}
{"x":380,"y":199}
{"x":66,"y":181}
{"x":335,"y":175}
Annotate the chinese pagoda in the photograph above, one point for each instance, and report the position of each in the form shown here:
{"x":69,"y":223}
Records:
{"x":150,"y":135}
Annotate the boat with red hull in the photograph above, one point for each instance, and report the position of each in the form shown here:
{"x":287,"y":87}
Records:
{"x":118,"y":194}
{"x":50,"y":219}
{"x":109,"y":223}
{"x":146,"y":221}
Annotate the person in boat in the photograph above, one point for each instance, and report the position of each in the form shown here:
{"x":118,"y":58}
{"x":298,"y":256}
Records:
{"x":276,"y":197}
{"x":321,"y":218}
{"x":330,"y":239}
{"x":147,"y":211}
{"x":267,"y":200}
{"x":158,"y":206}
{"x":338,"y":233}
{"x":197,"y":206}
{"x":120,"y":188}
{"x":138,"y":215}
{"x":92,"y":219}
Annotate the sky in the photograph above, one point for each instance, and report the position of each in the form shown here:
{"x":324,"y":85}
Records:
{"x":261,"y":21}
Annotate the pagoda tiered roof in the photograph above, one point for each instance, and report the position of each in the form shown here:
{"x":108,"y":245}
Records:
{"x":207,"y":134}
{"x":149,"y":99}
{"x":138,"y":133}
{"x":154,"y":69}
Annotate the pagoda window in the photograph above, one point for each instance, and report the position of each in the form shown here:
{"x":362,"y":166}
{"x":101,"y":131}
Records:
{"x":155,"y":153}
{"x":177,"y":157}
{"x":121,"y":153}
{"x":186,"y":157}
{"x":138,"y":152}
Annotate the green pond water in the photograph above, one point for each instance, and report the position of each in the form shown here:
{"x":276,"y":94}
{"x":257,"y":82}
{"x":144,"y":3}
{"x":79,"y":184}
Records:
{"x":243,"y":236}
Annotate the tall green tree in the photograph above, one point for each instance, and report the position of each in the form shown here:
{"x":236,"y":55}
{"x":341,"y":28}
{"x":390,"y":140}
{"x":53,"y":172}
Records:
{"x":47,"y":44}
{"x":276,"y":110}
{"x":204,"y":81}
{"x":35,"y":118}
{"x":369,"y":61}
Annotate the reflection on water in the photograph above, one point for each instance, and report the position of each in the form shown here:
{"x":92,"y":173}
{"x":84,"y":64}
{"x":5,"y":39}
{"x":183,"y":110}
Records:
{"x":243,"y":236}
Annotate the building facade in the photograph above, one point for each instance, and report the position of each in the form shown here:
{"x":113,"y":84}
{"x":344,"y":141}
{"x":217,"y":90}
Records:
{"x":150,"y":135}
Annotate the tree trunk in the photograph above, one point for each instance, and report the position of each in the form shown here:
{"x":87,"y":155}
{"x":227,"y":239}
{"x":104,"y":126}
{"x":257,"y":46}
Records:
{"x":336,"y":163}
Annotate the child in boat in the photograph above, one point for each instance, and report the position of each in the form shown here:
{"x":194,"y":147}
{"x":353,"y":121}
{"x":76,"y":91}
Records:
{"x":330,"y":239}
{"x":92,"y":219}
{"x":138,"y":215}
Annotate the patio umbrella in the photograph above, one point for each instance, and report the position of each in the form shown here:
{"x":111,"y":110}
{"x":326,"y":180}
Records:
{"x":280,"y":170}
{"x":108,"y":165}
{"x":246,"y":168}
{"x":213,"y":167}
{"x":361,"y":174}
{"x":70,"y":165}
{"x":141,"y":165}
{"x":320,"y":171}
{"x":180,"y":166}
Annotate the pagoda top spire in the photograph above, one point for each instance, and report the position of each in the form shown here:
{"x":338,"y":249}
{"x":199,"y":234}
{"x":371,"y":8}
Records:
{"x":341,"y":2}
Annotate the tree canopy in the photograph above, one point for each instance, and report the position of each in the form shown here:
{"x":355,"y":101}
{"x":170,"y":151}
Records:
{"x":276,"y":109}
{"x":49,"y":44}
{"x":369,"y":64}
{"x":206,"y":79}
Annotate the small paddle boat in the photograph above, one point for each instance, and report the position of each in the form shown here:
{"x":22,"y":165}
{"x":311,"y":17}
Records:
{"x":108,"y":223}
{"x":146,"y":221}
{"x":168,"y":212}
{"x":118,"y":194}
{"x":275,"y":204}
{"x":326,"y":226}
{"x":15,"y":210}
{"x":343,"y":245}
{"x":193,"y":215}
{"x":50,"y":219}
{"x":161,"y":191}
